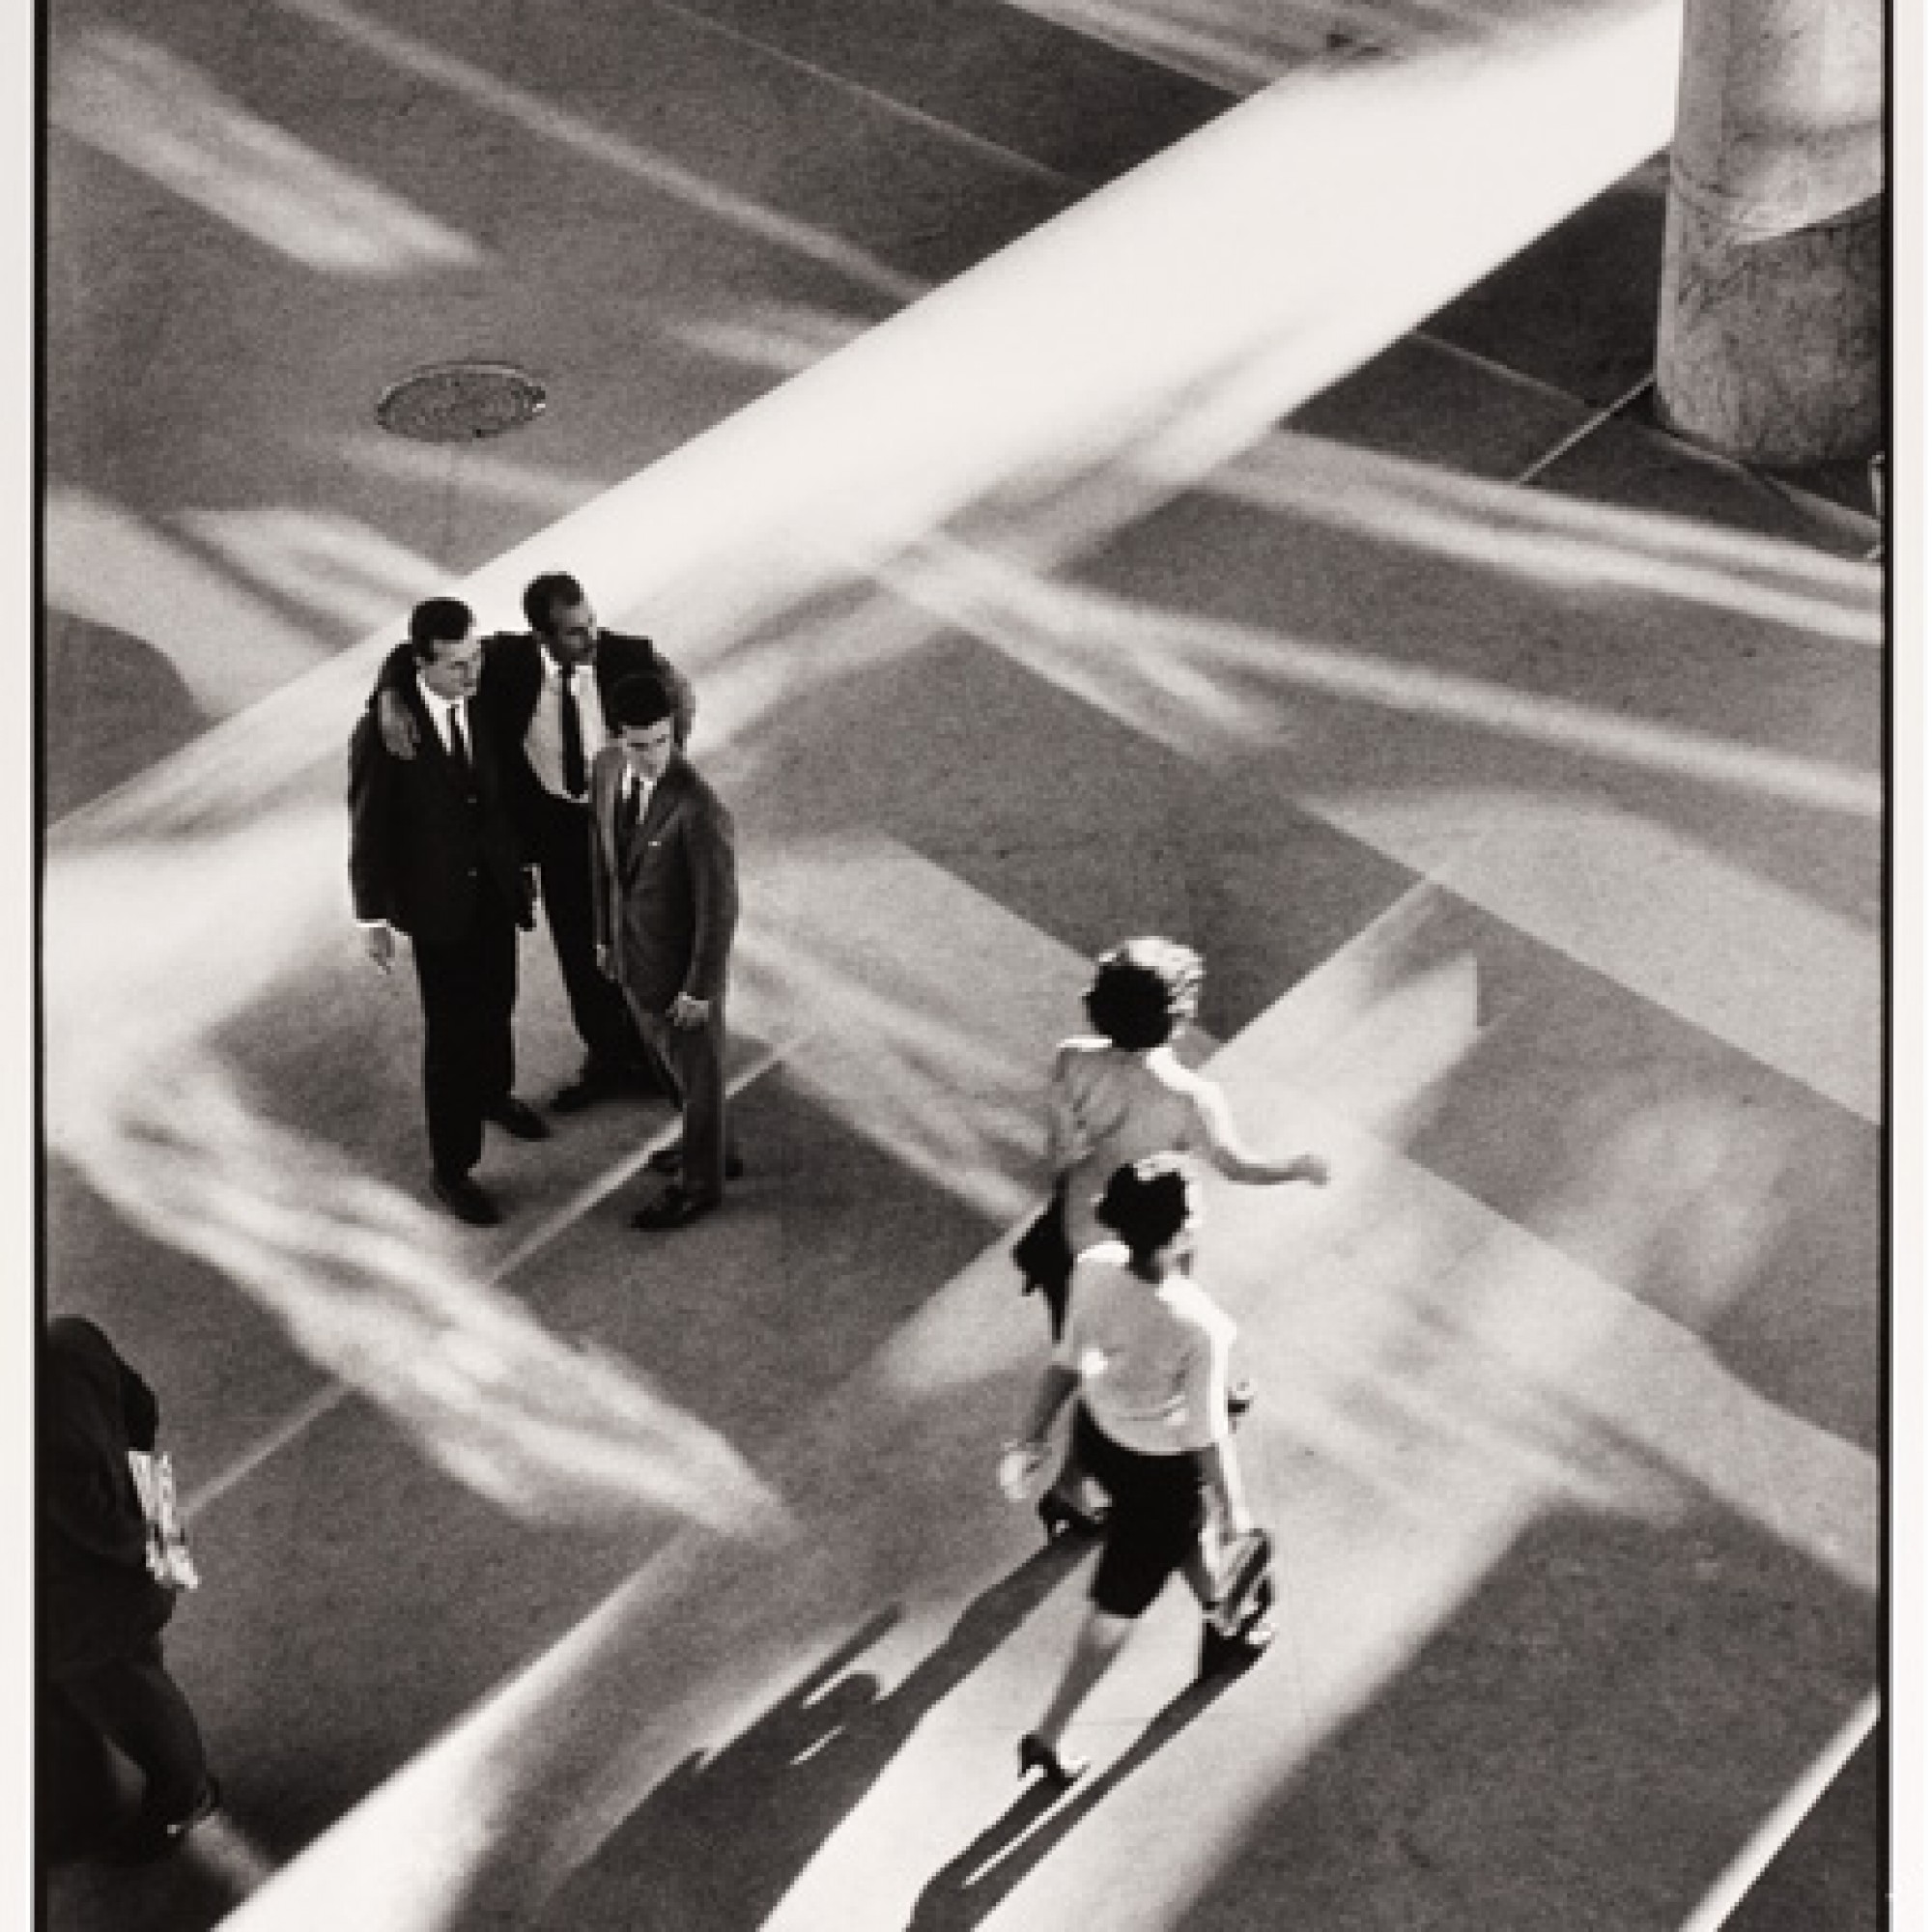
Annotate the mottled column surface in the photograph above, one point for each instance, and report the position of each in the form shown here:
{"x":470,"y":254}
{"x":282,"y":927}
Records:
{"x":1770,"y":334}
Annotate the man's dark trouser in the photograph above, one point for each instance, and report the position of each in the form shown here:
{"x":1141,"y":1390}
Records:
{"x":133,"y":1703}
{"x":690,"y":1061}
{"x":469,"y":994}
{"x":560,"y":843}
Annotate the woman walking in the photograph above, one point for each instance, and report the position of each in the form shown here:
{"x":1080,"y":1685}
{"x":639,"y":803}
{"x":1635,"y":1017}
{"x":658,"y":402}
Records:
{"x":1118,"y":1095}
{"x":1146,"y":1351}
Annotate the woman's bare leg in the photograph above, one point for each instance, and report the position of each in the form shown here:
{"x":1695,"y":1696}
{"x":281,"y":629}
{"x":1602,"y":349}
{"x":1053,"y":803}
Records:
{"x":1095,"y":1648}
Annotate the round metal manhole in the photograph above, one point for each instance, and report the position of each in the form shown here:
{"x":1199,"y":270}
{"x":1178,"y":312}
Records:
{"x":460,"y":401}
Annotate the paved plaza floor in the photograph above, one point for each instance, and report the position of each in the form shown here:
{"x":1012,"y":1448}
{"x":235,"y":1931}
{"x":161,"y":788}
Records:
{"x":1107,"y":468}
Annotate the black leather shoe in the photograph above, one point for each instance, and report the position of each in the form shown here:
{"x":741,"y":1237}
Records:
{"x":671,"y":1160}
{"x":1061,"y":1773}
{"x":673,"y":1208}
{"x":596,"y":1082}
{"x":466,"y":1199}
{"x":518,"y":1120}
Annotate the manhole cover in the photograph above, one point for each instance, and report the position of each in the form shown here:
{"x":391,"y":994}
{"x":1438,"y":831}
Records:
{"x":460,"y":401}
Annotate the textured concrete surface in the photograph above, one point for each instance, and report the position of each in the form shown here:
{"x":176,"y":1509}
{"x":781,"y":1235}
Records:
{"x":1771,"y":331}
{"x":1516,"y":768}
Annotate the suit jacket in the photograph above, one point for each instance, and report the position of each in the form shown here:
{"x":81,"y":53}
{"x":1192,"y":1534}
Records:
{"x":512,"y":681}
{"x":666,"y":897}
{"x":420,"y":852}
{"x":96,"y":1599}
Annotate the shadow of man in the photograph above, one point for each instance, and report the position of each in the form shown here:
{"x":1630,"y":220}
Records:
{"x":720,"y":1841}
{"x":966,"y":1890}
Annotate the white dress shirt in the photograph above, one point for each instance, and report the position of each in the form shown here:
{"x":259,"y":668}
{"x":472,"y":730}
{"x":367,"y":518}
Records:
{"x":543,"y":742}
{"x":635,"y":795}
{"x":440,"y":711}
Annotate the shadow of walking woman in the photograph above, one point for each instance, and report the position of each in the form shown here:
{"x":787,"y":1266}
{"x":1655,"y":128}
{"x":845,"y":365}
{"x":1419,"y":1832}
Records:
{"x":776,"y":1792}
{"x":969,"y":1888}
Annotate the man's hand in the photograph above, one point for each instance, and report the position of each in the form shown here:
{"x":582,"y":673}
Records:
{"x":380,"y":943}
{"x":686,"y":1012}
{"x":397,"y":727}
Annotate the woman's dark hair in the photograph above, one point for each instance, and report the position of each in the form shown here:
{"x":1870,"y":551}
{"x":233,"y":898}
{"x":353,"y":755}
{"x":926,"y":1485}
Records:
{"x":1147,"y":1203}
{"x":1143,"y":990}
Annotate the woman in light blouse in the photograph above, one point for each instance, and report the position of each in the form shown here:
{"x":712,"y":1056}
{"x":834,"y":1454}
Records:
{"x":1147,"y":1350}
{"x":1121,"y":1093}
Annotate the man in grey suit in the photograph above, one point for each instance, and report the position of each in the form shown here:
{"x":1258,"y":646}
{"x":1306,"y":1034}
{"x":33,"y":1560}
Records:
{"x":665,"y":892}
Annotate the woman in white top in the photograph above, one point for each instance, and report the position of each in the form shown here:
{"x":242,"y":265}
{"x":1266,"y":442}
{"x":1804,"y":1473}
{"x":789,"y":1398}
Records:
{"x":1122,"y":1094}
{"x":1147,"y":1350}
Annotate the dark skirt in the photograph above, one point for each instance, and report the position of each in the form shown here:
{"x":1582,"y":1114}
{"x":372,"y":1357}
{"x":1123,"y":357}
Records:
{"x":1155,"y":1525}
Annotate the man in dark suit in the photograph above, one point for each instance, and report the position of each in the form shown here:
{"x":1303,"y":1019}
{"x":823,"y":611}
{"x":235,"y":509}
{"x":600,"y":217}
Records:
{"x":665,"y":884}
{"x":433,"y":852}
{"x":545,"y":699}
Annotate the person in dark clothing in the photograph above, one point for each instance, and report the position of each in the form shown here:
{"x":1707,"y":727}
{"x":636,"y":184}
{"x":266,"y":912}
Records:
{"x":434,"y":853}
{"x":102,"y":1612}
{"x":545,"y":698}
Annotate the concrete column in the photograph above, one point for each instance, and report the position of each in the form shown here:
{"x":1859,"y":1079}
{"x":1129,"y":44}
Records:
{"x":1770,"y":328}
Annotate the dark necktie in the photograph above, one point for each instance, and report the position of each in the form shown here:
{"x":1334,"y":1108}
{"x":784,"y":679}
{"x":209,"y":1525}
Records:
{"x":630,"y":808}
{"x":459,"y":750}
{"x":576,"y":774}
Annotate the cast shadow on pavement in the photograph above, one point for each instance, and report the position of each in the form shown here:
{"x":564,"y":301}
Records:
{"x":778,"y":1791}
{"x":111,"y":704}
{"x":970,"y":1888}
{"x":1587,"y":1738}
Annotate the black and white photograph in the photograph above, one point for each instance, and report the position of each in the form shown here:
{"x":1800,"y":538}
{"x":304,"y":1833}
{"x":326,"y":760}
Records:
{"x":965,"y":946}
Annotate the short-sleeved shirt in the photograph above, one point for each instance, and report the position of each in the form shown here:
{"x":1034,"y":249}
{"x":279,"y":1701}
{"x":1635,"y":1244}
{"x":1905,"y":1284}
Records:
{"x":1151,"y":1358}
{"x":1110,"y":1107}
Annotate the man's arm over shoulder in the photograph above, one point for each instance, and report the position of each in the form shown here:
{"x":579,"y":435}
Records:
{"x":388,"y":703}
{"x":510,"y":654}
{"x":396,"y":673}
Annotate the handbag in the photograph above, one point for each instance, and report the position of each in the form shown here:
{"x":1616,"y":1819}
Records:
{"x":1246,"y":1583}
{"x":169,"y":1561}
{"x":1044,"y":1257}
